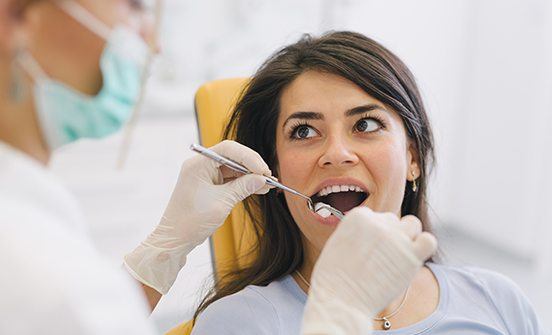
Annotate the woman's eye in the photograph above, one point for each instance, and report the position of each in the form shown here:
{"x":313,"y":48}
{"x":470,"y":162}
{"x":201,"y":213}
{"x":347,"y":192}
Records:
{"x":303,"y":132}
{"x":367,"y":125}
{"x":17,"y":8}
{"x":137,"y":4}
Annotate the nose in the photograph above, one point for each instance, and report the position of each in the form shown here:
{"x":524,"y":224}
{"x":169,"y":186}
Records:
{"x":337,"y":153}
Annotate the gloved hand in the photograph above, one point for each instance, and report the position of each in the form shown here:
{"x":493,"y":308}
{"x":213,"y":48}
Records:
{"x":203,"y":197}
{"x":368,"y":261}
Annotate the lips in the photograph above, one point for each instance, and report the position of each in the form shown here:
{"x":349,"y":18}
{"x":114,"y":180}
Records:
{"x":343,"y":194}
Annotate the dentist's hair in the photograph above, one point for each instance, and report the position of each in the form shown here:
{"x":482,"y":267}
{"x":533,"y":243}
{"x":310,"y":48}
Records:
{"x":371,"y":67}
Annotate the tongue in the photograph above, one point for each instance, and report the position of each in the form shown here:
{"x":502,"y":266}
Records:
{"x":344,"y":201}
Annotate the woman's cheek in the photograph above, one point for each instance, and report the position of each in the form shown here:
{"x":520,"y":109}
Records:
{"x":388,"y":170}
{"x":293,"y":168}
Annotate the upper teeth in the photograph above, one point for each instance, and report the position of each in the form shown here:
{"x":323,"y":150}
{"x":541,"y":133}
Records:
{"x":338,"y":188}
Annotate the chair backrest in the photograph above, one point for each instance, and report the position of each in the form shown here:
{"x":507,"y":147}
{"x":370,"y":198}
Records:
{"x":214,"y":101}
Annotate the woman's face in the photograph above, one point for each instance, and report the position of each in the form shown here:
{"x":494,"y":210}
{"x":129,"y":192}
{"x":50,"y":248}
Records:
{"x":66,"y":49}
{"x":341,"y":146}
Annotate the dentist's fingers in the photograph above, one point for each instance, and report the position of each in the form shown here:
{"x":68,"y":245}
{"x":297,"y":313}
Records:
{"x":425,"y":246}
{"x":243,"y":155}
{"x":245,"y":185}
{"x":411,"y":226}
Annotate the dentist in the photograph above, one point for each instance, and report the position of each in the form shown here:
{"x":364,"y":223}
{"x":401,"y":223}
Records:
{"x":73,"y":69}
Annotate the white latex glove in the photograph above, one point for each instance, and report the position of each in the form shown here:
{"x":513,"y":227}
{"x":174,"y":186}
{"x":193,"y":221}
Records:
{"x":368,"y":261}
{"x":201,"y":201}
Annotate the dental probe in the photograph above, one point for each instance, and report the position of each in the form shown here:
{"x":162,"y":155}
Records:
{"x":320,"y":206}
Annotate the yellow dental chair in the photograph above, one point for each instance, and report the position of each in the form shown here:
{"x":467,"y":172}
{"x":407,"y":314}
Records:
{"x":214,"y":102}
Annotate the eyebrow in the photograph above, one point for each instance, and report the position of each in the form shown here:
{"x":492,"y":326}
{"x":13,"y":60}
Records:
{"x":319,"y":116}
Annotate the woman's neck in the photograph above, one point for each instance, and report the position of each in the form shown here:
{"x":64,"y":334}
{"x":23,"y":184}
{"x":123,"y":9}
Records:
{"x":19,"y":126}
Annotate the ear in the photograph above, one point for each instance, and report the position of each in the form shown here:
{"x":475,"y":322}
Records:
{"x":7,"y":28}
{"x":12,"y":28}
{"x":413,"y":167}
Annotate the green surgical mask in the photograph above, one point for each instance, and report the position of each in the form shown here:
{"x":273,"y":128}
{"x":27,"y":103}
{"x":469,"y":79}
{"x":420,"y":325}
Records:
{"x":66,"y":115}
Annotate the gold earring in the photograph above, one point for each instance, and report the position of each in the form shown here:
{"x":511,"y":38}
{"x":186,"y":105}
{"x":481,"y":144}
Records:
{"x":414,"y":184}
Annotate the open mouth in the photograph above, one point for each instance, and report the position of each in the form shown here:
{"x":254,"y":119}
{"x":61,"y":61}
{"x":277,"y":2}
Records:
{"x":342,"y":197}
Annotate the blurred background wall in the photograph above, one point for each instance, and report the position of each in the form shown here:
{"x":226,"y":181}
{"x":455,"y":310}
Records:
{"x":485,"y":71}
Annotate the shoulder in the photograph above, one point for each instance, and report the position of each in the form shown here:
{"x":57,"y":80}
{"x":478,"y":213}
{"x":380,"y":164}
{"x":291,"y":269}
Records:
{"x":474,"y":275}
{"x":500,"y":292}
{"x":254,"y":310}
{"x":245,"y":312}
{"x":498,"y":287}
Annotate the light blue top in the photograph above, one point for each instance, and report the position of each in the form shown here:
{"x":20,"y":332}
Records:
{"x":471,"y":301}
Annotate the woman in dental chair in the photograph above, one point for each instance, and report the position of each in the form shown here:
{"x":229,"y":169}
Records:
{"x":340,"y":118}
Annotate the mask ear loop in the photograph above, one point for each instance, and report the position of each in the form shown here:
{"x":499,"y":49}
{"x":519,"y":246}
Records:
{"x":84,"y":17}
{"x":18,"y":89}
{"x":131,"y":125}
{"x":29,"y":64}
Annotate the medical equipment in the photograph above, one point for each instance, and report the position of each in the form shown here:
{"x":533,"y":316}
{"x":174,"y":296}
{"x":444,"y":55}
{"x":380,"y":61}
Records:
{"x":320,"y":208}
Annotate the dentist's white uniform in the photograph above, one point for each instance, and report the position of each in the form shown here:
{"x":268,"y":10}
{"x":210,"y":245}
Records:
{"x":52,"y":279}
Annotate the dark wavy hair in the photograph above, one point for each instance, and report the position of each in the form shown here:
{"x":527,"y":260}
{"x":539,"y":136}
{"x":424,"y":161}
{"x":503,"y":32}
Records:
{"x":279,"y":251}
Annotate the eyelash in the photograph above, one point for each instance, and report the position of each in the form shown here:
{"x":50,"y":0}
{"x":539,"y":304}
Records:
{"x":374,"y":117}
{"x":299,"y":124}
{"x":293,"y":130}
